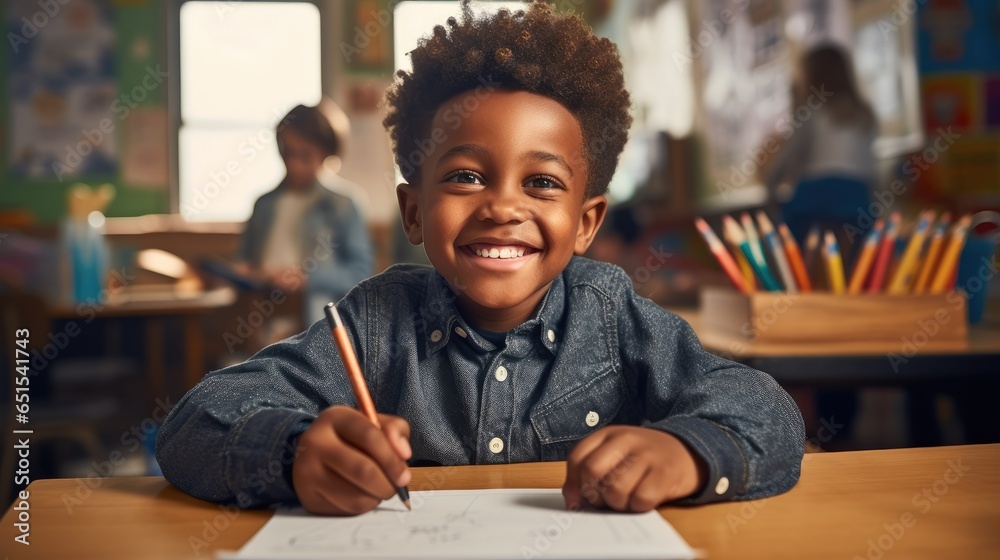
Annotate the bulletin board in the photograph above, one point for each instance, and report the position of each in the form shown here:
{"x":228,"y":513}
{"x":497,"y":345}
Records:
{"x":83,"y":98}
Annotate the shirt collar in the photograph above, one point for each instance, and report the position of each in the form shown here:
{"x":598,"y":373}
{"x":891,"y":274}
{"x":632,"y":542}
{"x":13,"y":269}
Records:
{"x":442,"y":321}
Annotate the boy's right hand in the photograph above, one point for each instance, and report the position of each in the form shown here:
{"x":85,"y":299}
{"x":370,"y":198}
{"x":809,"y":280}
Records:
{"x":344,"y":465}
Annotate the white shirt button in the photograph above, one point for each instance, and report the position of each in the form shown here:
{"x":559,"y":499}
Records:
{"x":592,"y":418}
{"x":461,"y":332}
{"x":722,"y":486}
{"x":500,"y":373}
{"x":436,"y":335}
{"x":552,"y":335}
{"x":496,"y":445}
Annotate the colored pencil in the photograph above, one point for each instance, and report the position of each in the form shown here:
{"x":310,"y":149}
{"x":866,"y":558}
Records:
{"x":795,"y":258}
{"x":907,"y":269}
{"x":865,"y":259}
{"x":777,"y":251}
{"x":834,"y":263}
{"x":930,"y":261}
{"x":753,"y":239}
{"x":737,"y":236}
{"x":357,"y":378}
{"x":886,"y":249}
{"x":949,"y":260}
{"x":749,"y":280}
{"x":721,"y":255}
{"x":812,"y":255}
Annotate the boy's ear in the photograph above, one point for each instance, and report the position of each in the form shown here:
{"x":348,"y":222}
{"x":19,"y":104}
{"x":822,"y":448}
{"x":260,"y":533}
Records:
{"x":409,"y":210}
{"x":594,"y":210}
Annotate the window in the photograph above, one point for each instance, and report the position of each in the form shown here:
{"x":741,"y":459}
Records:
{"x":243,"y":65}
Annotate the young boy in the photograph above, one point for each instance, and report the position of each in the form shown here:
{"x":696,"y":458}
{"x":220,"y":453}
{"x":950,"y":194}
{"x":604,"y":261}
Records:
{"x":511,"y":348}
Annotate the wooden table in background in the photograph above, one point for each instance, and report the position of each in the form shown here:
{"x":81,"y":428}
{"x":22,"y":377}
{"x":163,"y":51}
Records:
{"x":154,"y":305}
{"x":857,"y":362}
{"x":941,"y":502}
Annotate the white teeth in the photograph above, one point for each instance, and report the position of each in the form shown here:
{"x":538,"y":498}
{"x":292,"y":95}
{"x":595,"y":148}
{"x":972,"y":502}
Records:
{"x":494,"y":253}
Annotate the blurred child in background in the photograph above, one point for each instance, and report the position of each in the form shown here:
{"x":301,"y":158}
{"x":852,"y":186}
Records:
{"x":304,"y":236}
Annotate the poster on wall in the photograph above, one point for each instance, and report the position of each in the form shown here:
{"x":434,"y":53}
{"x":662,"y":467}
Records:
{"x":62,"y":89}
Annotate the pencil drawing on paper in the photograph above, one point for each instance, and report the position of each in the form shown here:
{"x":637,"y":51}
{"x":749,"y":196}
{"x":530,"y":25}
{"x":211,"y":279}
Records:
{"x":436,"y":524}
{"x":463,"y":524}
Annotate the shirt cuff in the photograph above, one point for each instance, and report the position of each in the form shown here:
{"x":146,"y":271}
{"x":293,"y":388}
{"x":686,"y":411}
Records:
{"x":727,"y":468}
{"x":260,"y":454}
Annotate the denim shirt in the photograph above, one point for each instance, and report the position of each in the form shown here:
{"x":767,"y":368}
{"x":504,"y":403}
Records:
{"x":593,"y":354}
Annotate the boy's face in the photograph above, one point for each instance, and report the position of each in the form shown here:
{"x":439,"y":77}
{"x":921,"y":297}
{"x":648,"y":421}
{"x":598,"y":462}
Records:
{"x":302,"y":158}
{"x":501,"y":207}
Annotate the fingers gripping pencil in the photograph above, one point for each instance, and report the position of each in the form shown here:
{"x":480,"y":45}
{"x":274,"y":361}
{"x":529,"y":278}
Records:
{"x":357,"y":379}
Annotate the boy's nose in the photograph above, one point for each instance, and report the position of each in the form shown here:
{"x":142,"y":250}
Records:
{"x":504,"y":203}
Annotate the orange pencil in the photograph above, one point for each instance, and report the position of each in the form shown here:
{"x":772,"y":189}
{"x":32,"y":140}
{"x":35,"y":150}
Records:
{"x":361,"y":394}
{"x":721,"y":255}
{"x":946,"y":269}
{"x":907,"y":269}
{"x":865,"y":259}
{"x":745,"y":268}
{"x":795,"y":259}
{"x":933,"y":252}
{"x":885,"y":253}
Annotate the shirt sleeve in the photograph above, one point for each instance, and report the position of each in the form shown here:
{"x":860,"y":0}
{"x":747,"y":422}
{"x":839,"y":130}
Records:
{"x":355,"y":257}
{"x":745,"y":427}
{"x":232,"y":437}
{"x":249,"y":248}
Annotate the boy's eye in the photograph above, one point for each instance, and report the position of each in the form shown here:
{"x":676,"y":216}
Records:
{"x":543,"y":182}
{"x":463,"y":177}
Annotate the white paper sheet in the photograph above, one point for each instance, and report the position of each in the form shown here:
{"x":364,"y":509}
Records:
{"x":473,"y":524}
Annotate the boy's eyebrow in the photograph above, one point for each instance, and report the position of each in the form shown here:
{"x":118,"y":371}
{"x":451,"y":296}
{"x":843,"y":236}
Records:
{"x":474,"y":150}
{"x":548,"y":156}
{"x":480,"y":152}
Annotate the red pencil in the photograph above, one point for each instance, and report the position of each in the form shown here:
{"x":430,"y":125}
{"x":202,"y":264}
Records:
{"x":722,"y":255}
{"x":885,"y":252}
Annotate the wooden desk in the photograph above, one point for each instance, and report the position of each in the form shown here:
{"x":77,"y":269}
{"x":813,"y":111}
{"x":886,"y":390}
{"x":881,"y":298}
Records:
{"x":857,"y":362}
{"x":156,"y":304}
{"x":844,"y":505}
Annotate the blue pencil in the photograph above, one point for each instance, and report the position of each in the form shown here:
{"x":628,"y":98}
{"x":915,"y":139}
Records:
{"x":736,"y":236}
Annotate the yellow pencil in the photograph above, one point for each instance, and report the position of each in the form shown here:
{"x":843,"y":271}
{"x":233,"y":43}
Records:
{"x":949,"y":260}
{"x":933,"y":252}
{"x":865,"y":259}
{"x":907,"y":268}
{"x":745,"y":268}
{"x":834,"y":264}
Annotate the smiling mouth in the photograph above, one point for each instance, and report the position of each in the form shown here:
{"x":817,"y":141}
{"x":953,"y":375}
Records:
{"x":499,"y":252}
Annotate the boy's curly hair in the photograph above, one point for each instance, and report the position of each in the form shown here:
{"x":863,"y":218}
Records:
{"x":538,"y":50}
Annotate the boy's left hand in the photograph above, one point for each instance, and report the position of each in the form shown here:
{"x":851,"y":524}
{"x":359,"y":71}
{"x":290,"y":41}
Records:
{"x":631,"y":468}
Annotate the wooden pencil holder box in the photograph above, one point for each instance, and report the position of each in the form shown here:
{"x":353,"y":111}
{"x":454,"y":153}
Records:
{"x":815,"y":317}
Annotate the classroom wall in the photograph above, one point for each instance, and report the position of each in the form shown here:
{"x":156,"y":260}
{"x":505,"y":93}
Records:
{"x":139,"y":48}
{"x":960,"y":88}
